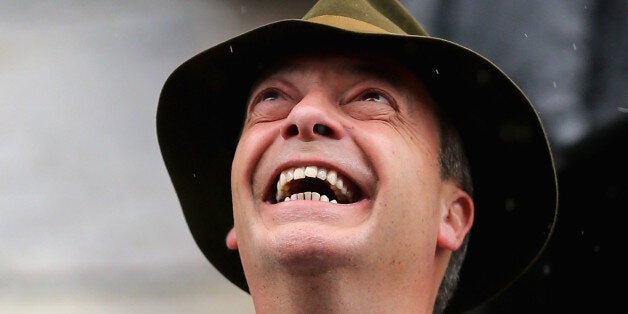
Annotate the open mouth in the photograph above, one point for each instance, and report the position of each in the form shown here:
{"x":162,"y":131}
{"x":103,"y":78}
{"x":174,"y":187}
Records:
{"x":314,"y":183}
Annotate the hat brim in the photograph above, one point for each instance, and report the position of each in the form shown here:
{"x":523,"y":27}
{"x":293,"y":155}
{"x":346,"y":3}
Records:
{"x":202,"y":106}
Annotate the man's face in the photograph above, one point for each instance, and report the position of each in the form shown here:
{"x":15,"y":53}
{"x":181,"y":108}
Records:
{"x":337,"y":167}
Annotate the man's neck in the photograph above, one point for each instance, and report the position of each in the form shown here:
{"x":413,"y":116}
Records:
{"x":335,"y":292}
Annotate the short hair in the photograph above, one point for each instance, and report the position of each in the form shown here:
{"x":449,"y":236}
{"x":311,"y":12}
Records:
{"x":454,"y":165}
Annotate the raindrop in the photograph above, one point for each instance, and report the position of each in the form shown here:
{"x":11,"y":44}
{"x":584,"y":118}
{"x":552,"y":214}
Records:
{"x":436,"y":70}
{"x":554,"y":83}
{"x":231,"y":48}
{"x":622,"y":109}
{"x":574,"y":47}
{"x":525,"y":35}
{"x":582,"y":232}
{"x":585,"y":7}
{"x":194,"y":175}
{"x":546,"y":269}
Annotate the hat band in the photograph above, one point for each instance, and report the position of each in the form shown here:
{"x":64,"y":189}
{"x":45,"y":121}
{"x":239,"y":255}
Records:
{"x":348,"y":24}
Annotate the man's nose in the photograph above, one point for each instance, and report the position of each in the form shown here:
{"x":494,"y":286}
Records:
{"x":313,"y":118}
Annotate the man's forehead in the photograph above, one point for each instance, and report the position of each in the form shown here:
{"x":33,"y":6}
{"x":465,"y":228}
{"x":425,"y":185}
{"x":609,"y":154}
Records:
{"x":343,"y":64}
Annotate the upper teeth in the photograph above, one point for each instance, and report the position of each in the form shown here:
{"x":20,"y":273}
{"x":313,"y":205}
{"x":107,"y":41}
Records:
{"x":336,"y":183}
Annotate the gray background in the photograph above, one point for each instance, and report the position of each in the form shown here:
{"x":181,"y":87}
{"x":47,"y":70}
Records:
{"x":89,"y":222}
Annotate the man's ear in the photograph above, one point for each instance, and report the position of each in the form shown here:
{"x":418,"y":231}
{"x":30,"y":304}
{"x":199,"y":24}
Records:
{"x":232,"y":241}
{"x":457,"y":212}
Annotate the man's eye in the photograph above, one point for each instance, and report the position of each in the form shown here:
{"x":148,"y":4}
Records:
{"x":268,"y":95}
{"x":374,"y":96}
{"x":269,"y":104}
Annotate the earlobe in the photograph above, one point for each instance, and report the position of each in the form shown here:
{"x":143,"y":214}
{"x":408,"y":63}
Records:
{"x":456,"y":218}
{"x":232,"y":241}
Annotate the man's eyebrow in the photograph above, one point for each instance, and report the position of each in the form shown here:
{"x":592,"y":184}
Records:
{"x":383,"y":71}
{"x":285,"y":67}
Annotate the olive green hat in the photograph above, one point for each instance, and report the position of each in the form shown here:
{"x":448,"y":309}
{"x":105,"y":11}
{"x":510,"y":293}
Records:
{"x":202,"y":105}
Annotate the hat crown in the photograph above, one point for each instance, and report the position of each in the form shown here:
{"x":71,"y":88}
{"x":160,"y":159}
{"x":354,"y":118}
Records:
{"x":372,"y":16}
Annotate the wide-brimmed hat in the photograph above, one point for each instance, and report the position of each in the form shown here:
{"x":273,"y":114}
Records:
{"x":202,"y":106}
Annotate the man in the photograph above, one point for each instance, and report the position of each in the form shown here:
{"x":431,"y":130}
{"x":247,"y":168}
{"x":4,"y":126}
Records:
{"x":346,"y":156}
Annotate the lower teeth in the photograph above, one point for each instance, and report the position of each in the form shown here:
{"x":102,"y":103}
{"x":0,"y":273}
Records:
{"x":314,"y":196}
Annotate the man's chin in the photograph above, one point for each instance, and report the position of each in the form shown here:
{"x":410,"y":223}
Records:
{"x":310,"y":248}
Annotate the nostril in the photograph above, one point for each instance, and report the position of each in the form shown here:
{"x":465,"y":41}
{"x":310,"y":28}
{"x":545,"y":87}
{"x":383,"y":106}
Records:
{"x":292,"y":130}
{"x":322,"y":129}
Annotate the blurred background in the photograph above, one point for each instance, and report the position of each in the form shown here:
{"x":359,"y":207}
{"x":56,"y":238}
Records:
{"x":89,"y":222}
